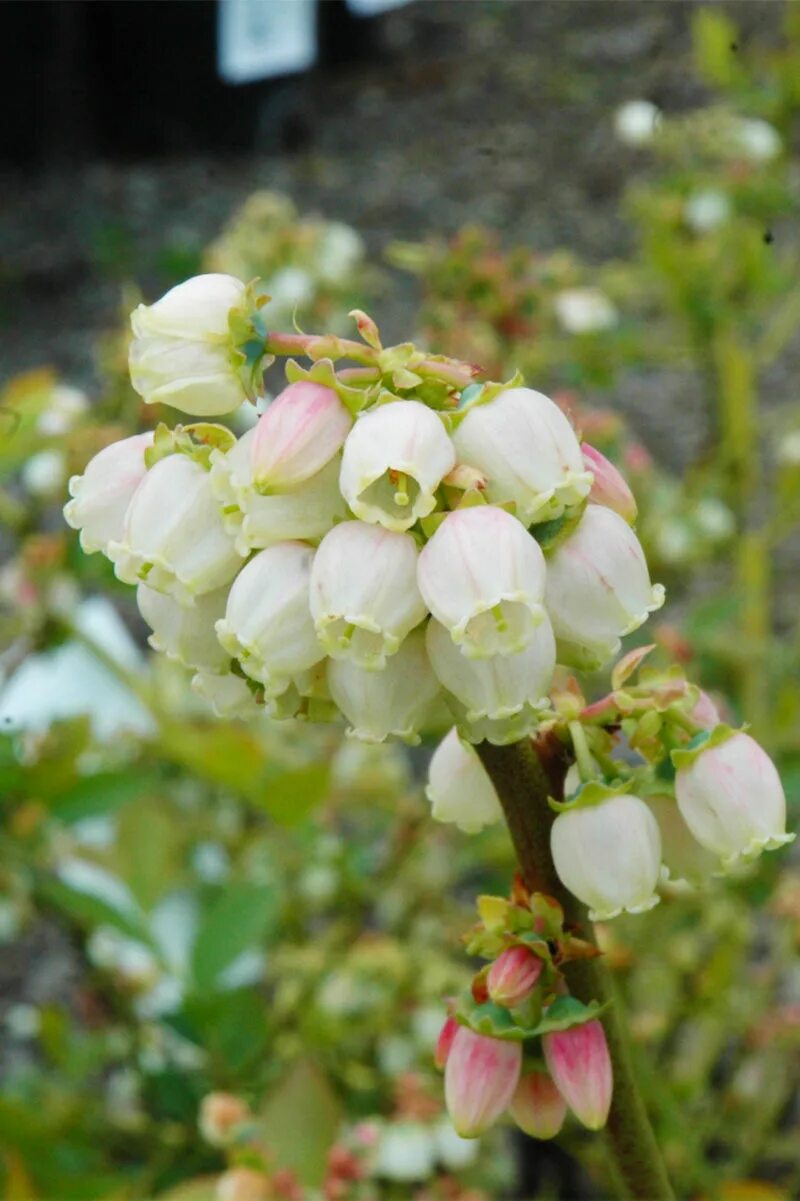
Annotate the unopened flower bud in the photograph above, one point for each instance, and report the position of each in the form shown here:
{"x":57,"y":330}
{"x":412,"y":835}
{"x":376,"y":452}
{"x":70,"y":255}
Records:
{"x":580,"y":1065}
{"x":185,"y":633}
{"x":513,"y":976}
{"x":503,"y":695}
{"x":393,"y":702}
{"x":394,"y":459}
{"x":174,"y":539}
{"x":445,"y":1041}
{"x":731,"y":798}
{"x":683,"y":856}
{"x":636,"y":122}
{"x":705,"y":712}
{"x":483,"y":576}
{"x":758,"y":140}
{"x":364,"y":595}
{"x":525,"y":446}
{"x":609,"y":487}
{"x":220,"y":1116}
{"x":100,"y":497}
{"x":598,"y":588}
{"x":480,"y":1078}
{"x":267,"y":624}
{"x":182,"y":354}
{"x":609,"y":855}
{"x":537,"y":1106}
{"x":585,"y":310}
{"x":243,"y":1184}
{"x":300,"y":432}
{"x":459,"y":788}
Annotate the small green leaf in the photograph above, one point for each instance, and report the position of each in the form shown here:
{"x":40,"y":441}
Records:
{"x":236,"y":921}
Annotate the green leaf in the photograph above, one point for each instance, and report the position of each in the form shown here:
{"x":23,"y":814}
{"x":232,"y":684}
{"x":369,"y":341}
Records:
{"x":236,"y":921}
{"x":290,"y":796}
{"x":299,"y":1122}
{"x":90,"y":911}
{"x":98,"y":795}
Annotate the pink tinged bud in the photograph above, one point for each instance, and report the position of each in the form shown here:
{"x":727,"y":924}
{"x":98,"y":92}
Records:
{"x":537,"y":1106}
{"x":300,"y":432}
{"x":609,"y":487}
{"x":100,"y":497}
{"x":444,"y":1042}
{"x":221,"y":1116}
{"x":480,"y":1078}
{"x":459,"y":787}
{"x":579,"y":1062}
{"x":482,"y":576}
{"x":732,"y":800}
{"x":598,"y":588}
{"x":513,"y":976}
{"x":705,"y":712}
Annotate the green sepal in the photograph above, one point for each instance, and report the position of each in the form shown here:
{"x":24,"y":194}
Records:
{"x":566,"y":1012}
{"x":486,"y":395}
{"x":685,"y":756}
{"x":197,"y":440}
{"x":592,"y":793}
{"x":248,"y":334}
{"x":494,"y":1021}
{"x":323,"y":372}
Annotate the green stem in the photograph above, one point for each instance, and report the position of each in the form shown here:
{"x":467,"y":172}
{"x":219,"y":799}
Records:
{"x":524,"y":776}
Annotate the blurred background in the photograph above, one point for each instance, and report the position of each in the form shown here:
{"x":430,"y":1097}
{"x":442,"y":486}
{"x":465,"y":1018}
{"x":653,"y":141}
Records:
{"x":603,"y":195}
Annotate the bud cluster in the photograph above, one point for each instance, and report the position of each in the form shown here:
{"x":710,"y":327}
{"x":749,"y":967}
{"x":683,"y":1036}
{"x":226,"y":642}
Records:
{"x":387,"y":538}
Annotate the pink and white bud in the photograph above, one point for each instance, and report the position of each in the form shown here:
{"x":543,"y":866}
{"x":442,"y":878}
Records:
{"x":181,"y":353}
{"x":610,"y":488}
{"x":267,"y":624}
{"x":580,"y":1065}
{"x":705,"y":712}
{"x":508,"y":691}
{"x":537,"y":1106}
{"x":300,"y":432}
{"x":100,"y":497}
{"x":598,"y":588}
{"x":459,"y":788}
{"x":513,"y":976}
{"x":174,"y":539}
{"x":394,"y":459}
{"x":683,"y":856}
{"x":304,"y":512}
{"x":185,"y":633}
{"x":221,"y":1116}
{"x":483,"y":577}
{"x":392,"y":703}
{"x":525,"y":446}
{"x":479,"y":1080}
{"x":731,"y":798}
{"x":444,"y":1042}
{"x":364,"y":596}
{"x":609,"y":855}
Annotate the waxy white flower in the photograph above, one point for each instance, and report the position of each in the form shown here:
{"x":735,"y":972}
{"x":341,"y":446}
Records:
{"x":65,"y":407}
{"x":758,"y":140}
{"x":706,"y":209}
{"x":185,"y":632}
{"x":228,"y":695}
{"x":636,"y":122}
{"x":100,"y":497}
{"x":598,"y":588}
{"x":267,"y":624}
{"x":300,"y":432}
{"x":181,"y":353}
{"x":174,"y":539}
{"x":499,"y":698}
{"x":459,"y":788}
{"x":304,"y":512}
{"x":43,"y":473}
{"x":684,"y":858}
{"x":394,"y":702}
{"x":394,"y":459}
{"x":584,"y":310}
{"x":528,"y":451}
{"x":482,"y":576}
{"x":609,"y":855}
{"x":731,"y":797}
{"x":364,"y":595}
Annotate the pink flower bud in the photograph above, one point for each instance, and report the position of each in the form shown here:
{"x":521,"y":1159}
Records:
{"x":479,"y":1082}
{"x":513,"y":975}
{"x":221,"y":1114}
{"x":300,"y":432}
{"x":705,"y":712}
{"x":580,"y":1065}
{"x":537,"y":1106}
{"x":609,"y":487}
{"x":444,"y":1042}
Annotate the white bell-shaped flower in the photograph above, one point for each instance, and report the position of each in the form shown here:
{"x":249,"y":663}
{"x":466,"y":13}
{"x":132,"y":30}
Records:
{"x":174,"y":538}
{"x":598,"y":588}
{"x":731,"y":796}
{"x":181,"y":353}
{"x":267,"y":624}
{"x":483,"y":576}
{"x":100,"y":497}
{"x":525,"y":446}
{"x":394,"y":702}
{"x":459,"y":788}
{"x":394,"y":459}
{"x":228,"y":695}
{"x":364,"y":594}
{"x":684,"y":858}
{"x":299,"y":433}
{"x":304,"y":512}
{"x":609,"y":855}
{"x":500,"y":698}
{"x":183,"y":632}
